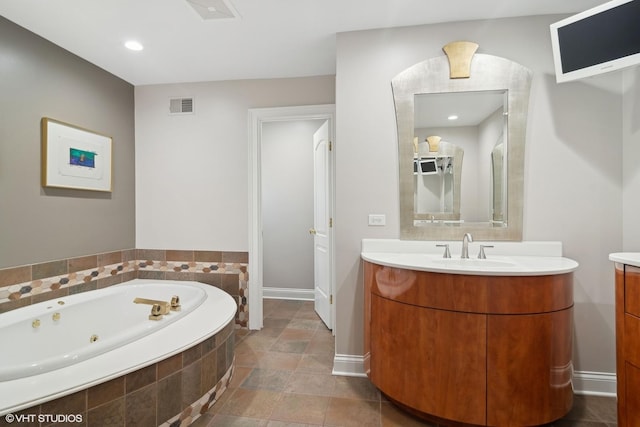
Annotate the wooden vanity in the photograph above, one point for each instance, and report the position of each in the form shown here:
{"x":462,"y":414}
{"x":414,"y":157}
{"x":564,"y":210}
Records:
{"x":627,"y":273}
{"x":464,"y":349}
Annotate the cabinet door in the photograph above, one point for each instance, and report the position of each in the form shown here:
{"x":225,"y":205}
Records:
{"x":529,"y":368}
{"x":430,"y":360}
{"x":632,"y":290}
{"x":632,"y":410}
{"x":628,"y":344}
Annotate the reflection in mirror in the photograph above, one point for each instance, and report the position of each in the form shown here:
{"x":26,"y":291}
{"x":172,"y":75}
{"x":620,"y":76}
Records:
{"x":437,"y":183}
{"x":473,"y":181}
{"x":498,"y":174}
{"x":468,"y":124}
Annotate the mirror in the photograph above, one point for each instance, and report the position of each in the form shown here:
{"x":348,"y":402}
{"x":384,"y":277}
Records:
{"x":469,"y":126}
{"x":471,"y":180}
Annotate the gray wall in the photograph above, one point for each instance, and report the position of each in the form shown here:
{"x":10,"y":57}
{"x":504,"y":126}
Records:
{"x":39,"y":79}
{"x":192,"y":170}
{"x":573,"y":171}
{"x":631,"y":162}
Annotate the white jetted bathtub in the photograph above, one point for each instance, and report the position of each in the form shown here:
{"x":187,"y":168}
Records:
{"x":60,"y":346}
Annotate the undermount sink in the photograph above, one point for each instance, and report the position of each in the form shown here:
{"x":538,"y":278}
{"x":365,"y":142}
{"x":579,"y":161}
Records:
{"x":476,"y":263}
{"x":502,"y":258}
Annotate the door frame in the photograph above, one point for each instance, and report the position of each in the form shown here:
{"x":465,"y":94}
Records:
{"x":258,"y":116}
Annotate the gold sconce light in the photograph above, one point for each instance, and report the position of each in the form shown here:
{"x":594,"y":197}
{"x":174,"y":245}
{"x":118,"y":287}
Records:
{"x":460,"y":54}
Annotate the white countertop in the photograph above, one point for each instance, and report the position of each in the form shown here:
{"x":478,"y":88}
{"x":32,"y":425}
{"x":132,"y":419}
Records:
{"x":629,"y":258}
{"x":502,"y":259}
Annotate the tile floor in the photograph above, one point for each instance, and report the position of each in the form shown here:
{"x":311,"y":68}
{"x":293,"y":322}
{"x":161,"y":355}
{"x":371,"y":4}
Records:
{"x":283,"y":378}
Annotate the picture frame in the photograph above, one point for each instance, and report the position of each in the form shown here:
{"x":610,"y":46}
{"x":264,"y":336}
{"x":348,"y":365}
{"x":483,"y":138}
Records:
{"x":75,"y":158}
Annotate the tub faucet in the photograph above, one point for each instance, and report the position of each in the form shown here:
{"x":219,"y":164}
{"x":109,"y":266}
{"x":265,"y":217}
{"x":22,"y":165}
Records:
{"x":164,"y":306}
{"x":465,"y":245}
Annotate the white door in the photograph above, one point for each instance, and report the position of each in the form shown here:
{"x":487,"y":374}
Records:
{"x":321,"y":230}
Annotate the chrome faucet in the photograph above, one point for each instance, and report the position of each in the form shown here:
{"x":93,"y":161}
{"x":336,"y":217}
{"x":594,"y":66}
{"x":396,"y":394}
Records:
{"x":465,"y":245}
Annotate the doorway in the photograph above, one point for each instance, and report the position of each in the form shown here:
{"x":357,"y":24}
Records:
{"x":320,"y":230}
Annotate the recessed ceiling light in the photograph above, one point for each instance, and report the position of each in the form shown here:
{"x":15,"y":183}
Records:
{"x":212,"y":9}
{"x":133,"y":45}
{"x":452,"y":117}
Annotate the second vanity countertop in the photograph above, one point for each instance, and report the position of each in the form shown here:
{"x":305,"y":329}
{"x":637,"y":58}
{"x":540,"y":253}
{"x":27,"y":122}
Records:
{"x":503,"y":259}
{"x":629,"y":258}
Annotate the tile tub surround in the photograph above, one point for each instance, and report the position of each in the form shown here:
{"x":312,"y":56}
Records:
{"x":30,"y":284}
{"x":172,"y":392}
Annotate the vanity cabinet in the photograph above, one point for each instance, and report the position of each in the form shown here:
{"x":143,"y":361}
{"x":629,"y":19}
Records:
{"x":470,"y":349}
{"x":628,"y":343}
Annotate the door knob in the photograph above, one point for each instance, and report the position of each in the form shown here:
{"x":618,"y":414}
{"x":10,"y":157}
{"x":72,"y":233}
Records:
{"x":312,"y":231}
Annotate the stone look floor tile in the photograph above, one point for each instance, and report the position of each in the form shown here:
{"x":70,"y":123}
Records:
{"x":319,"y":363}
{"x":280,"y":324}
{"x":308,"y":324}
{"x":231,"y":421}
{"x":286,"y":424}
{"x":300,"y":408}
{"x":355,"y":388}
{"x":240,"y":373}
{"x":297,"y":334}
{"x":311,"y":383}
{"x":248,"y":358}
{"x":267,"y":379}
{"x":602,"y":408}
{"x":251,"y":403}
{"x":350,"y":412}
{"x":276,"y":360}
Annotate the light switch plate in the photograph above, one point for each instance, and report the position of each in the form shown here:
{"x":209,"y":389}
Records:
{"x":377,"y":219}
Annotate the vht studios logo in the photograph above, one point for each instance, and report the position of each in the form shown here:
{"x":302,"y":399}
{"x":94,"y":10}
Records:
{"x":43,"y":418}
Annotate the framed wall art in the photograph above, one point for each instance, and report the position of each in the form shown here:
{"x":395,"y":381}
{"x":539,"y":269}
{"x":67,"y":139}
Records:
{"x":75,"y":158}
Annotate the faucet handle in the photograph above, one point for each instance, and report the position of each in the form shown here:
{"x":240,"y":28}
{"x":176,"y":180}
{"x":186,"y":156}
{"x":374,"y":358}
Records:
{"x":175,"y":303}
{"x":447,"y":253}
{"x":156,"y":312}
{"x":481,"y":254}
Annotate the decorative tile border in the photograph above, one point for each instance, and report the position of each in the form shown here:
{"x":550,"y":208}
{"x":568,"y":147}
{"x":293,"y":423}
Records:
{"x":66,"y":281}
{"x":202,"y":405}
{"x":26,"y":285}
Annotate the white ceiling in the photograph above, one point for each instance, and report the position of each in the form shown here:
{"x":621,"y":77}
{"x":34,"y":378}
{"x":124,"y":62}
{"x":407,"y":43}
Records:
{"x":270,"y":39}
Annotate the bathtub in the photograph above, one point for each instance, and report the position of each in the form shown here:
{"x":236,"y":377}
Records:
{"x":57,"y":347}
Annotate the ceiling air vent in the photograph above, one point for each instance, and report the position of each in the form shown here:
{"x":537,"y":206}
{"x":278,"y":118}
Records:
{"x":181,"y":106}
{"x":214,"y":9}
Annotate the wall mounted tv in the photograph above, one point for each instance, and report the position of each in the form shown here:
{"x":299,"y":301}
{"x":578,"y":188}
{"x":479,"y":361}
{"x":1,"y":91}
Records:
{"x":599,"y":40}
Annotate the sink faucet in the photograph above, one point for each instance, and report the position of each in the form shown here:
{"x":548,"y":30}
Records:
{"x":465,"y":245}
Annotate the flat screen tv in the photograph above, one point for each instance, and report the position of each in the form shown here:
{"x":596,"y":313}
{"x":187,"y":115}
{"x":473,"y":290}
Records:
{"x":599,"y":40}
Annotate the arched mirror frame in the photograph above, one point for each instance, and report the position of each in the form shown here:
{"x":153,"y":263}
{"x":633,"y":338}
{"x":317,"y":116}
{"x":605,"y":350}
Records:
{"x":487,"y":73}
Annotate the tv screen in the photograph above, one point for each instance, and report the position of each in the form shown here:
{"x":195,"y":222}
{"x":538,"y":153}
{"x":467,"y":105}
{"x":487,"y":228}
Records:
{"x":428,"y":166}
{"x":602,"y":39}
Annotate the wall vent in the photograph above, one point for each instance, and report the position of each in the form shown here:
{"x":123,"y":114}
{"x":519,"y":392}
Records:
{"x":181,"y":106}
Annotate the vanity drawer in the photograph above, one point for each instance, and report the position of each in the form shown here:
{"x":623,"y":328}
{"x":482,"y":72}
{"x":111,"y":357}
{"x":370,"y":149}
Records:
{"x":631,"y":339}
{"x":632,"y":290}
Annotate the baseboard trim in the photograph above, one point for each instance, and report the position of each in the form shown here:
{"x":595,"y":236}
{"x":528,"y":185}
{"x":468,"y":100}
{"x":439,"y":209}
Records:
{"x":348,"y":365}
{"x":288,"y":293}
{"x":584,"y":382}
{"x":594,"y":383}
